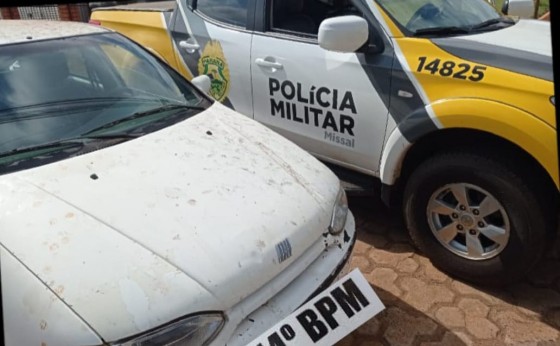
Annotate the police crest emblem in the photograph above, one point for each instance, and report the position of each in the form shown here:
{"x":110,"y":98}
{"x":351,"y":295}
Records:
{"x":213,"y":63}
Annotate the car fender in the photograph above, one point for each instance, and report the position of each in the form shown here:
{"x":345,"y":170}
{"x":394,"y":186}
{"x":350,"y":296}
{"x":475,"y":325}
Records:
{"x":34,"y":314}
{"x":517,"y":126}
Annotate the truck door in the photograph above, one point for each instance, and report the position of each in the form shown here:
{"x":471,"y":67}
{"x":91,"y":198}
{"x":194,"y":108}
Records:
{"x":212,"y":38}
{"x":334,"y":105}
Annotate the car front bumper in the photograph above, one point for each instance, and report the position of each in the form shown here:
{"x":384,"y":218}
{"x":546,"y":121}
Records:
{"x":321,"y":264}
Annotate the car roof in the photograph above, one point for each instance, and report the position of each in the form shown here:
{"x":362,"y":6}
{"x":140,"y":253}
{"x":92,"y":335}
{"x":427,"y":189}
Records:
{"x":15,"y":31}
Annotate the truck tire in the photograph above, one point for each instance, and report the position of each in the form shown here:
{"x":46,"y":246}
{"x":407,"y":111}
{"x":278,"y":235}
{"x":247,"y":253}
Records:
{"x":475,"y":217}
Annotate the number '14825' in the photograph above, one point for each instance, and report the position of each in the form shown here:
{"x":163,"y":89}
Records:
{"x":451,"y":69}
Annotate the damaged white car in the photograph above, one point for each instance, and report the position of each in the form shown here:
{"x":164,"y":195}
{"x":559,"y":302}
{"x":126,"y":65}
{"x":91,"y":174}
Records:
{"x":136,"y":211}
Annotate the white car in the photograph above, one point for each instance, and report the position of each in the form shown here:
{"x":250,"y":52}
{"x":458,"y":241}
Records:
{"x":136,"y":211}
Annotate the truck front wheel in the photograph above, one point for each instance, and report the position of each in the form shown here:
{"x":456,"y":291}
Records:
{"x":475,"y":217}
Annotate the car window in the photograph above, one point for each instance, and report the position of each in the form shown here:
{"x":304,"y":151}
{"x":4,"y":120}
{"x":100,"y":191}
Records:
{"x":303,"y":17}
{"x":46,"y":76}
{"x":34,"y":75}
{"x":76,"y":64}
{"x":78,"y":88}
{"x":137,"y":73}
{"x":232,"y":12}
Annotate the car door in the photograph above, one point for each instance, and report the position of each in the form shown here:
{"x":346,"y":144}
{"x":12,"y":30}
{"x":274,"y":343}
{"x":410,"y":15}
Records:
{"x":213,"y":38}
{"x":334,"y":105}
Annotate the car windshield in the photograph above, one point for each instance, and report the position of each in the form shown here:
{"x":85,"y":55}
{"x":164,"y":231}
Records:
{"x":444,"y":17}
{"x":63,"y":93}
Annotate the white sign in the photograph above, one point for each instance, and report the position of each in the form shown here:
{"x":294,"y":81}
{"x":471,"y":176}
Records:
{"x":327,"y":318}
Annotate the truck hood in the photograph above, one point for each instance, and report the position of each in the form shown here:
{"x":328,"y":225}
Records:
{"x":526,"y":36}
{"x":525,"y":48}
{"x":182,"y":220}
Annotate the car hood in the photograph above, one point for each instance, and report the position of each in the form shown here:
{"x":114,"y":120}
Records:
{"x":179,"y":221}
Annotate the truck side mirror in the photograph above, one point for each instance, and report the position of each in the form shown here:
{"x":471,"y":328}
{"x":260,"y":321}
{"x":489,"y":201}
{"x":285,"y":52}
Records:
{"x":344,"y":34}
{"x":519,"y":8}
{"x":202,"y":82}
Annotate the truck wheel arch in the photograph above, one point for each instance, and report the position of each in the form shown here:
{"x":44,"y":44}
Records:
{"x":473,"y":123}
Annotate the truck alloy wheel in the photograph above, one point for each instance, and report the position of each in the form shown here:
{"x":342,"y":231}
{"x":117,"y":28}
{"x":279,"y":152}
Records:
{"x":468,"y":221}
{"x":475,"y":218}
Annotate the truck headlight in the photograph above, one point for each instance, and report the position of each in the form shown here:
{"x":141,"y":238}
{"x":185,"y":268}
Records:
{"x":193,"y":330}
{"x":552,"y":101}
{"x":340,"y":212}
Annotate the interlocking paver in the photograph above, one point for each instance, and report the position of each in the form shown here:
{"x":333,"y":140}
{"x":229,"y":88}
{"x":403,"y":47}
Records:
{"x":450,"y":339}
{"x":362,"y":246}
{"x":361,"y":262}
{"x":392,"y":255}
{"x":468,"y":290}
{"x":473,"y":307}
{"x":384,"y":278}
{"x":426,"y":307}
{"x":432,"y":272}
{"x":517,"y":329}
{"x":481,"y":328}
{"x":371,"y":328}
{"x":403,"y":328}
{"x":423,"y":296}
{"x":408,"y":265}
{"x":450,"y":316}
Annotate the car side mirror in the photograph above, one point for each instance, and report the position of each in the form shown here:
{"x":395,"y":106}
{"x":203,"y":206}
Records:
{"x":344,"y":34}
{"x":203,"y":83}
{"x":519,"y":8}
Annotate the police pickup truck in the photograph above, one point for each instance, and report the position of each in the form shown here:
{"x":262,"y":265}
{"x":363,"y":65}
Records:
{"x":448,"y":103}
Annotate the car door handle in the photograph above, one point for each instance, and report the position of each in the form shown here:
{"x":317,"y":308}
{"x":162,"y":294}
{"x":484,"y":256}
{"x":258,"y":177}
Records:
{"x":271,"y":64}
{"x":190,"y":47}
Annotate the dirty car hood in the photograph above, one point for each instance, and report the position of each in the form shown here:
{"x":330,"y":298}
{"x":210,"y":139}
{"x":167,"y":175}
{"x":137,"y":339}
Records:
{"x":182,"y":220}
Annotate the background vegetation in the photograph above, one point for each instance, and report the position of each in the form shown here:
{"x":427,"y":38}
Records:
{"x":543,"y":6}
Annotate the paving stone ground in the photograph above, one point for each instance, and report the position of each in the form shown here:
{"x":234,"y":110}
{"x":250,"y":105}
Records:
{"x":427,"y":307}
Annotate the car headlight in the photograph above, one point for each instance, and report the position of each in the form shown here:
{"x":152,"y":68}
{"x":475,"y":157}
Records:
{"x":552,"y":101}
{"x":340,"y":212}
{"x":193,"y":330}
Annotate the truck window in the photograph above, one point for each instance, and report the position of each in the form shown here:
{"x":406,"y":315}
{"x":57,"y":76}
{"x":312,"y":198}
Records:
{"x":232,"y":12}
{"x":136,"y":73}
{"x":303,"y":17}
{"x":414,"y":15}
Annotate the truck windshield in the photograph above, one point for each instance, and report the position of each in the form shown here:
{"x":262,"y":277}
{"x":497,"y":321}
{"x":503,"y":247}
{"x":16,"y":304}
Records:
{"x":444,"y":17}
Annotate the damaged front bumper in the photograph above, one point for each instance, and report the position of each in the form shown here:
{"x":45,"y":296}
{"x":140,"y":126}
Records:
{"x":323,"y":263}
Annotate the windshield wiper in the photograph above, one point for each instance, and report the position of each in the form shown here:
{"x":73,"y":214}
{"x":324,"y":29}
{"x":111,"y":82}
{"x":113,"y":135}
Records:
{"x":138,"y":115}
{"x":493,"y":21}
{"x":46,"y":147}
{"x":446,"y":30}
{"x":81,"y":141}
{"x":68,"y":143}
{"x":12,"y":159}
{"x":43,"y":109}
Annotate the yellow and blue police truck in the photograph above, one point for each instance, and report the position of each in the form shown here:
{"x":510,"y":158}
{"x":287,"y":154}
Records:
{"x":449,"y":104}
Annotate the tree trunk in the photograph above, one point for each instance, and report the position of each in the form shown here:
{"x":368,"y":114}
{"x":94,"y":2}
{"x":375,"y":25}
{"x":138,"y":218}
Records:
{"x":537,"y":5}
